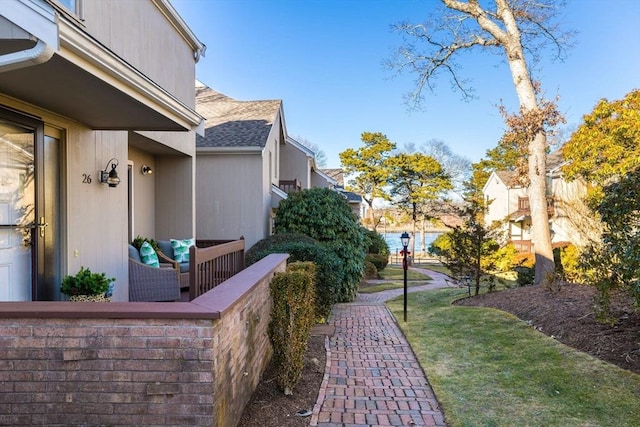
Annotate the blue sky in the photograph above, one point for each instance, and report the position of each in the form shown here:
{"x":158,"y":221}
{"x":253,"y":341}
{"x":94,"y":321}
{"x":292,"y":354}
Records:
{"x":324,"y":60}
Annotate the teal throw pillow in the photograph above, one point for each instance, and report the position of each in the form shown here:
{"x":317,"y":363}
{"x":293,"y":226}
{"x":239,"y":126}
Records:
{"x":148,"y":255}
{"x":181,"y":249}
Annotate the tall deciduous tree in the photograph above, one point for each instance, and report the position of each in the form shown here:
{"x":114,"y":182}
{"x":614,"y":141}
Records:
{"x":458,"y":169}
{"x":455,"y":165}
{"x":519,"y":30}
{"x":415,"y":180}
{"x":367,"y":168}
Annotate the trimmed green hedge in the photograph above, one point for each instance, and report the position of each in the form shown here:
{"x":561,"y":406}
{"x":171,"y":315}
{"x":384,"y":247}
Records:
{"x":292,"y":317}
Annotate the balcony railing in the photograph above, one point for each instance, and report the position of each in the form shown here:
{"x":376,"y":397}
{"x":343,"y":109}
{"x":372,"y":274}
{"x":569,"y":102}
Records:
{"x":290,"y":185}
{"x":523,"y":246}
{"x":212,"y":265}
{"x":524,"y":206}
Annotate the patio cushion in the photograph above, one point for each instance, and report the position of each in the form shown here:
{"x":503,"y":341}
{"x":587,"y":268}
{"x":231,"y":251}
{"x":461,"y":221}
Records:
{"x":149,"y":255}
{"x":181,"y":249}
{"x":134,"y":254}
{"x":165,"y":248}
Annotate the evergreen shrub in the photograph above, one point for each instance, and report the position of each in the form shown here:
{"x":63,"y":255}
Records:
{"x":370,"y":270}
{"x":325,"y":215}
{"x":251,"y":256}
{"x":376,"y":243}
{"x":328,"y":275}
{"x":380,"y":261}
{"x":292,"y":317}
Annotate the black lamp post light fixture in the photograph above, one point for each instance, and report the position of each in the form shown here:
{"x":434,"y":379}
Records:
{"x":110,"y":177}
{"x":404,"y":239}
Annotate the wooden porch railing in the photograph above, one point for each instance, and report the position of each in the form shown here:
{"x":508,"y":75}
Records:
{"x":523,"y":246}
{"x":290,"y":185}
{"x":210,"y":266}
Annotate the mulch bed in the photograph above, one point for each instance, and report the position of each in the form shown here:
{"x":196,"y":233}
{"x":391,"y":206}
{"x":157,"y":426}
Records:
{"x":566,"y":313}
{"x":269,"y":407}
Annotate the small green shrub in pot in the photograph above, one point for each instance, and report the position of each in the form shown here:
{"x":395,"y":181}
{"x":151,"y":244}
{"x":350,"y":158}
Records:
{"x":86,"y":283}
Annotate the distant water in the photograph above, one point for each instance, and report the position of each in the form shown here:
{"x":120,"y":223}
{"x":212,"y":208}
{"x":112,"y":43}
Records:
{"x":395,"y":245}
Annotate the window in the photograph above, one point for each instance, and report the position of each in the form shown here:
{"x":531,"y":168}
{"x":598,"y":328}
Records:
{"x":72,"y":6}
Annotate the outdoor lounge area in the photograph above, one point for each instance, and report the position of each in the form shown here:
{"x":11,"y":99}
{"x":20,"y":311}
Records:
{"x":210,"y":263}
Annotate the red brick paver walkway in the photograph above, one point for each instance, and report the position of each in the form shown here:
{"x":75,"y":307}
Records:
{"x":372,"y":377}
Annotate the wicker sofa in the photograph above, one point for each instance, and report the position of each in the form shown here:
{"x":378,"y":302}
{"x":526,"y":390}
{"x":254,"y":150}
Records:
{"x":151,"y":284}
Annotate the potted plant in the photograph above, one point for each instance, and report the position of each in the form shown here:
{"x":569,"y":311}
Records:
{"x":87,"y":286}
{"x":139,"y":240}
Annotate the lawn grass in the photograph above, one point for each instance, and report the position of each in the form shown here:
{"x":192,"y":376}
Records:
{"x":395,"y":277}
{"x":392,"y":272}
{"x":488,"y":368}
{"x":435,"y":267}
{"x":371,"y":289}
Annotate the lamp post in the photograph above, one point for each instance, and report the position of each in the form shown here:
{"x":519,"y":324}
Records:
{"x":405,"y":243}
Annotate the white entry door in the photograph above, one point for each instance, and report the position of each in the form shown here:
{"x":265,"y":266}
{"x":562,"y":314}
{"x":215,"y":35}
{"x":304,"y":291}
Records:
{"x":17,"y":211}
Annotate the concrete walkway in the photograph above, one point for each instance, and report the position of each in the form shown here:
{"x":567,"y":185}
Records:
{"x":372,"y":377}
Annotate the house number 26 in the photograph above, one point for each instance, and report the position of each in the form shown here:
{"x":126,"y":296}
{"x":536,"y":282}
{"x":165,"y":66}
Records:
{"x":86,"y":178}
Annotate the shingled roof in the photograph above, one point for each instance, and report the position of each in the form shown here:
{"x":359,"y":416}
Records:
{"x":336,"y":174}
{"x":511,"y":179}
{"x":233,"y":123}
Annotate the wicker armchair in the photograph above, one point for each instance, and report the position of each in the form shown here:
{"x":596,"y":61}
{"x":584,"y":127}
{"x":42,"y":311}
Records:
{"x":165,"y":254}
{"x":150,"y":283}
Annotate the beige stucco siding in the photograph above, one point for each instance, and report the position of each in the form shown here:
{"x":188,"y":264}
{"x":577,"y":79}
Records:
{"x":230,"y":199}
{"x":319,"y":181}
{"x":143,"y":194}
{"x":568,"y":209}
{"x":182,"y":142}
{"x":138,"y":32}
{"x":175,"y":197}
{"x":498,"y":207}
{"x":503,"y":200}
{"x":294,"y":164}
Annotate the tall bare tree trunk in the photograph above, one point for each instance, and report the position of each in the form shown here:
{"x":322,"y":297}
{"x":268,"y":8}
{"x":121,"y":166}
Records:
{"x":512,"y":44}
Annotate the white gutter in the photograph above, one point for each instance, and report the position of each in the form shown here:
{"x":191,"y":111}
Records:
{"x":229,"y":150}
{"x":37,"y":19}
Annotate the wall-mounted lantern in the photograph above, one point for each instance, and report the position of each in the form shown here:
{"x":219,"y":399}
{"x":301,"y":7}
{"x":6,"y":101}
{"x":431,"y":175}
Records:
{"x":110,"y":177}
{"x":146,"y":170}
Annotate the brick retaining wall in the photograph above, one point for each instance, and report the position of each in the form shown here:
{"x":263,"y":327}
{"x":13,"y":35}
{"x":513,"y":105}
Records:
{"x":144,"y":364}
